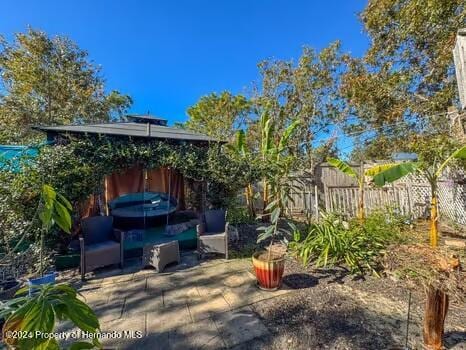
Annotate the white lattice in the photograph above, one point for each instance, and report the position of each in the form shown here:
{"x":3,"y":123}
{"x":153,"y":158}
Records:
{"x":411,"y":194}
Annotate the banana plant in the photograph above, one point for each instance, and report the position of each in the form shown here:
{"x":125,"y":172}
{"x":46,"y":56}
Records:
{"x":346,"y":169}
{"x":38,"y":314}
{"x":432,"y":172}
{"x":240,"y":149}
{"x":272,"y":149}
{"x":54,"y":208}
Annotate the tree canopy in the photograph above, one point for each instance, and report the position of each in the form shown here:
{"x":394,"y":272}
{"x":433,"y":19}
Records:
{"x":306,"y":91}
{"x":50,"y":80}
{"x":406,"y":80}
{"x":219,"y":115}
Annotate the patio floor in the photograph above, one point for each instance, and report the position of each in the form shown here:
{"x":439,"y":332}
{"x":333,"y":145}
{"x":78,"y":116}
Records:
{"x":195,"y":305}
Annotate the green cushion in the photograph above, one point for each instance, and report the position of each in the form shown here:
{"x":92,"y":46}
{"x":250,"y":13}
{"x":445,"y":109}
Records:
{"x":186,"y":239}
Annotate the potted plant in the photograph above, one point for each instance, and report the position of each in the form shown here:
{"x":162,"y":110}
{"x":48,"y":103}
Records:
{"x":270,"y":264}
{"x":53,"y":209}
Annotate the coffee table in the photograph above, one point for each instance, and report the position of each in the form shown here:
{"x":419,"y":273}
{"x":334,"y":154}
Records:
{"x":159,"y":255}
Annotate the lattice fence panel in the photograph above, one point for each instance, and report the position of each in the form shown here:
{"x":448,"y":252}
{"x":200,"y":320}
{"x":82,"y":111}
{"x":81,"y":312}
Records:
{"x":411,"y":195}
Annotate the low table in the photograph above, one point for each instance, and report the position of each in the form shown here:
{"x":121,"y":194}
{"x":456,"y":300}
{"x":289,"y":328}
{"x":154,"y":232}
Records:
{"x":159,"y":255}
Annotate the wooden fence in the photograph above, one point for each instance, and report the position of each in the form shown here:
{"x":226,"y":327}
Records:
{"x":330,"y":190}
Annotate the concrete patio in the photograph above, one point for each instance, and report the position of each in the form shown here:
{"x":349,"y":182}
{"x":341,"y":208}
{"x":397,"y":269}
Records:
{"x":194,"y":305}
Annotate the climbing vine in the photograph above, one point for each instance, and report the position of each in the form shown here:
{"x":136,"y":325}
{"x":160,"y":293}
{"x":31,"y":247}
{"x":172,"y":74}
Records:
{"x":76,"y":167}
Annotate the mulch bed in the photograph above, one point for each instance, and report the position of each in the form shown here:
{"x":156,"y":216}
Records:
{"x":331,"y":309}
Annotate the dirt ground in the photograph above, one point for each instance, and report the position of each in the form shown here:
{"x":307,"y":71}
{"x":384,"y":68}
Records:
{"x":333,"y":310}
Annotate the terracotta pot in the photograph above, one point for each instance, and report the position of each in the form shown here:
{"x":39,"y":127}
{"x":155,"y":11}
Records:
{"x":269,"y":273}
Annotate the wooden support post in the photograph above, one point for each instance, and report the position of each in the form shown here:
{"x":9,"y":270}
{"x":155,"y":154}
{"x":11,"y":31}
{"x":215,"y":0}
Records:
{"x":326,"y":197}
{"x":316,"y":201}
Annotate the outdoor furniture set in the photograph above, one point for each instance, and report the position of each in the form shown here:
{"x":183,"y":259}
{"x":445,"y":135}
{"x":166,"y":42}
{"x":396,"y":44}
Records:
{"x":103,"y":245}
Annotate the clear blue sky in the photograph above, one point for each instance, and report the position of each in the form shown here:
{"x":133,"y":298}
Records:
{"x":167,"y":54}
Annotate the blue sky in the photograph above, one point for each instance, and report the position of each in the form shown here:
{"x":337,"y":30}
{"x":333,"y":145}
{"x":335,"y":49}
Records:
{"x":167,"y":54}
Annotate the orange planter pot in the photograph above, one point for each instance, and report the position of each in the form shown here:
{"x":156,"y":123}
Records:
{"x":269,"y":273}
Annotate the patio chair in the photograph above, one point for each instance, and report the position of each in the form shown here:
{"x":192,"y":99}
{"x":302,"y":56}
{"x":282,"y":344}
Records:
{"x":212,"y":233}
{"x":101,"y":244}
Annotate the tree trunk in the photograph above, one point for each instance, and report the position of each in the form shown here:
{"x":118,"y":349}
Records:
{"x":265,"y":194}
{"x":434,"y":220}
{"x":265,"y":199}
{"x":249,"y":194}
{"x":434,"y":318}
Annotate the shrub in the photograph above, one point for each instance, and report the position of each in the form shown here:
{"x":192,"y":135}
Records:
{"x":355,"y":245}
{"x":239,"y":215}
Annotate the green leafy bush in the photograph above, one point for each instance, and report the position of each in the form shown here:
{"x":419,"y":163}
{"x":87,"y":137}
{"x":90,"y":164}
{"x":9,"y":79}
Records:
{"x":355,"y":245}
{"x":39,"y":315}
{"x":239,"y":215}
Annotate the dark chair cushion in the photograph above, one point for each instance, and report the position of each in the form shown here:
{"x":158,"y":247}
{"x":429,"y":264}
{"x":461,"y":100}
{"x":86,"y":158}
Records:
{"x":97,"y":229}
{"x":103,"y":247}
{"x":215,"y":220}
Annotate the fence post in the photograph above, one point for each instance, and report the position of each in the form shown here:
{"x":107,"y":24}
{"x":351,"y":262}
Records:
{"x":326,"y":197}
{"x":408,"y":192}
{"x":316,"y":201}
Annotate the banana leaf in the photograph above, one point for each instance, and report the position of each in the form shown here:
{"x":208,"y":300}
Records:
{"x":394,"y":173}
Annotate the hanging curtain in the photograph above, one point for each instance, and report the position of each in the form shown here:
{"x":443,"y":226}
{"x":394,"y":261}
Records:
{"x":128,"y":181}
{"x":132,"y":181}
{"x":157,"y":181}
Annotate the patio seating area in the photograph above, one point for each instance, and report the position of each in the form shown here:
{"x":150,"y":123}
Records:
{"x":195,"y":304}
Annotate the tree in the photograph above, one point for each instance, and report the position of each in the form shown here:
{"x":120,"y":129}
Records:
{"x":219,"y":115}
{"x":306,"y":91}
{"x":276,"y":158}
{"x":346,"y":169}
{"x":431,"y":165}
{"x":406,"y":77}
{"x":240,"y":149}
{"x":50,"y":81}
{"x":432,"y":169}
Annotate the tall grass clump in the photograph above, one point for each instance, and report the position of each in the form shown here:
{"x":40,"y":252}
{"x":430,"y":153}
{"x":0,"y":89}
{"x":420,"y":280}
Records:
{"x":352,"y":244}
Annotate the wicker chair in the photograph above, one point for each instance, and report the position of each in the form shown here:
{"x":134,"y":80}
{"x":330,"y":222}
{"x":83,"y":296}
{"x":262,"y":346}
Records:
{"x":212,"y":233}
{"x":101,"y":244}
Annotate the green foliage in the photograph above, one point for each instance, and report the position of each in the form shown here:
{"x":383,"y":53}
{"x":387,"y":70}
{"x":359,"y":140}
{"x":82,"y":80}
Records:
{"x":238,"y":215}
{"x":406,"y":75}
{"x":394,"y":173}
{"x":245,"y":252}
{"x":306,"y":91}
{"x":55,"y":209}
{"x":40,"y":313}
{"x":275,"y":156}
{"x":431,"y":171}
{"x":344,"y":167}
{"x":50,"y":81}
{"x":353,"y":244}
{"x":77,"y":168}
{"x":219,"y":115}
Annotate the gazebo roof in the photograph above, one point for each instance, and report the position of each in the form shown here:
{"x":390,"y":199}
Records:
{"x":140,"y":126}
